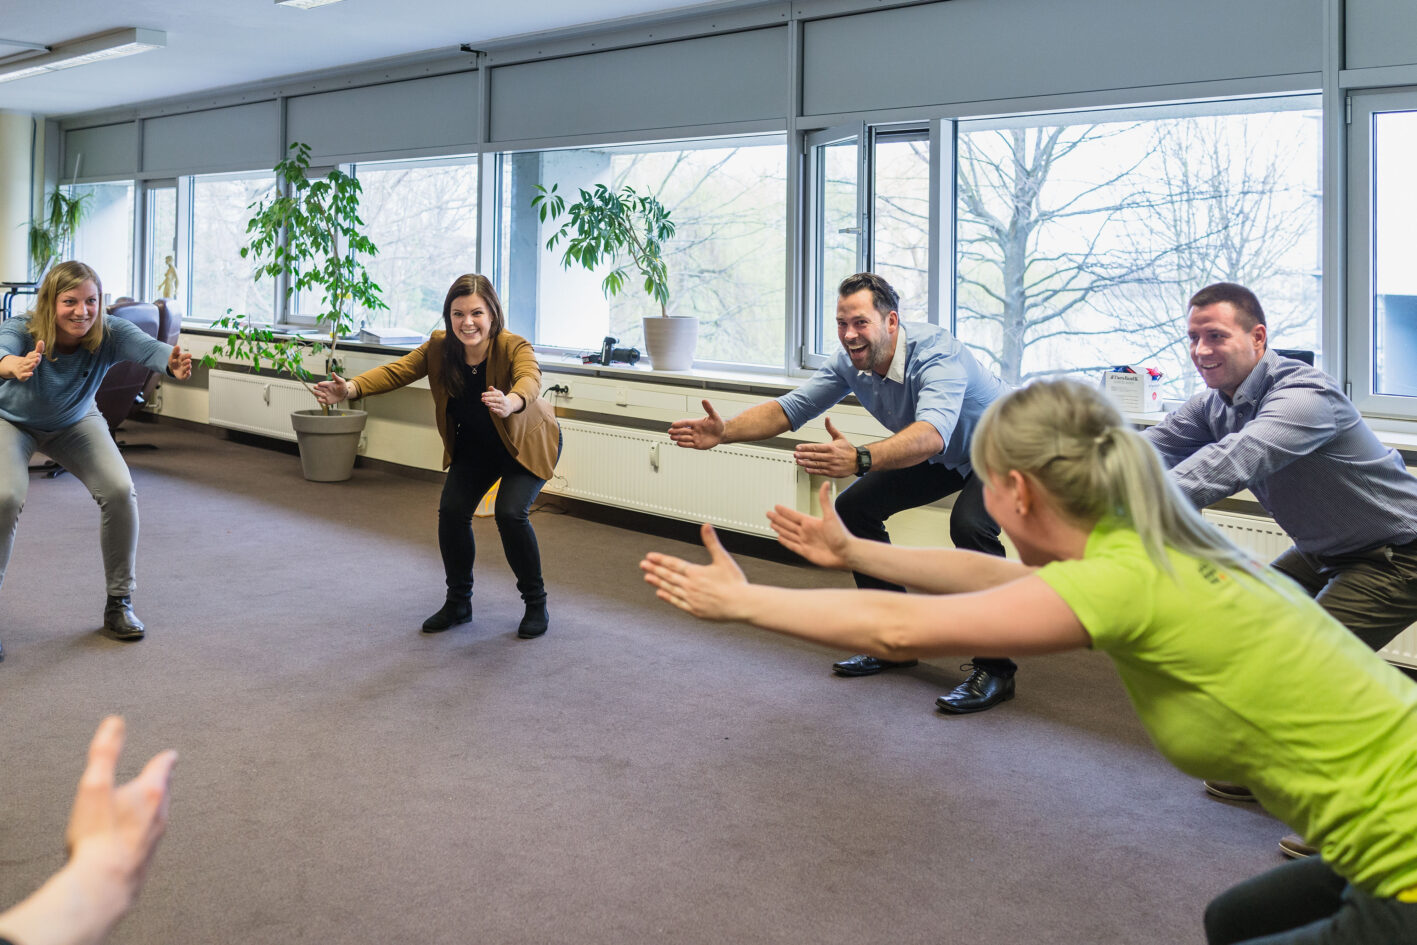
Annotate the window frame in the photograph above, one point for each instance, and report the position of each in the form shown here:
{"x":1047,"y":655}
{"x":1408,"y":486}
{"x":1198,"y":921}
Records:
{"x":1359,"y":328}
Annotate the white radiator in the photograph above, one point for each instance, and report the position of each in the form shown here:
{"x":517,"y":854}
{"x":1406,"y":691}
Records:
{"x":254,"y":404}
{"x":1268,"y":541}
{"x":729,"y":486}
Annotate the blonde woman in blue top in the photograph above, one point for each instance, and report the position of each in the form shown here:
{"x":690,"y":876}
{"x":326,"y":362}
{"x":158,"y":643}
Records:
{"x":52,"y":361}
{"x":1208,"y":643}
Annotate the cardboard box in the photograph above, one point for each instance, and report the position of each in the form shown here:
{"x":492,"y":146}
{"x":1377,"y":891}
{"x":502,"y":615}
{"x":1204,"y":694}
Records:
{"x":1136,"y":390}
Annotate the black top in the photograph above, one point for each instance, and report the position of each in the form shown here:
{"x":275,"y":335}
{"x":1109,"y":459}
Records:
{"x":468,"y":416}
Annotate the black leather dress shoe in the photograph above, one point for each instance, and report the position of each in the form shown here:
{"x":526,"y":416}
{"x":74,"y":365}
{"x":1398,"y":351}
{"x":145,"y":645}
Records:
{"x":867,"y":665}
{"x":534,"y":621}
{"x":982,"y":690}
{"x":120,"y":621}
{"x":451,"y":614}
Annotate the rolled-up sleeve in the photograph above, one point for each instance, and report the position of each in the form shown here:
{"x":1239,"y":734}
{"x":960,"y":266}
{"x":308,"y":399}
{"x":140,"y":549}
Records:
{"x":939,"y":398}
{"x":823,"y":390}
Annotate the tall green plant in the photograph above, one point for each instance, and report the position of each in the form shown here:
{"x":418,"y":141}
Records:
{"x":51,"y":236}
{"x":604,"y":225}
{"x":308,"y":231}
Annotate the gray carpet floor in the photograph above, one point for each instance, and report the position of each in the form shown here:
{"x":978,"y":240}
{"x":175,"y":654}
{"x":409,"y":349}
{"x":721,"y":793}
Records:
{"x":634,"y":776}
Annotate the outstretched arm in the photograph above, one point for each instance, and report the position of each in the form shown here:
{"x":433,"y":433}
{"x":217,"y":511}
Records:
{"x":825,"y":541}
{"x":1021,"y":617}
{"x":111,"y":838}
{"x":704,"y":433}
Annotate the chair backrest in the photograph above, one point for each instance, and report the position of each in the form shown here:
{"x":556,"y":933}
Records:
{"x":122,"y":387}
{"x":169,"y":331}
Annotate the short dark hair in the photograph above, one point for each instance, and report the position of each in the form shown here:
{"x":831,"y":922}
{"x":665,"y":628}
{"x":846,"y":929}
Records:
{"x":882,"y":295}
{"x":1245,"y":302}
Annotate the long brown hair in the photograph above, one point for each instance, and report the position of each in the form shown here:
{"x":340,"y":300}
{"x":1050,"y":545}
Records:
{"x":470,"y":284}
{"x":61,"y":279}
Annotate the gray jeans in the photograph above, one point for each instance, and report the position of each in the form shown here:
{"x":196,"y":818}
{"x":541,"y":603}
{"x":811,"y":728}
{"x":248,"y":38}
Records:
{"x":87,"y":450}
{"x":1374,"y":593}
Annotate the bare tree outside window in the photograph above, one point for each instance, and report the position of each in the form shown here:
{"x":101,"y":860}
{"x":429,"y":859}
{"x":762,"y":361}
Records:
{"x":1079,"y":244}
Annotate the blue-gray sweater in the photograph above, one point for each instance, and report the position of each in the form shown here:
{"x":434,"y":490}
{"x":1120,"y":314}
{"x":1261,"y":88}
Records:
{"x":61,"y":391}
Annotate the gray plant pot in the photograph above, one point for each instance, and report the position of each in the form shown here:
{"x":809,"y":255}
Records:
{"x":671,"y":341}
{"x":328,"y":442}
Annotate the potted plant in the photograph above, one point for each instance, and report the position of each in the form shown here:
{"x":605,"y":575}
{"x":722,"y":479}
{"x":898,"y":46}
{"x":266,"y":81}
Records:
{"x":605,"y":226}
{"x":308,"y":231}
{"x":52,"y":237}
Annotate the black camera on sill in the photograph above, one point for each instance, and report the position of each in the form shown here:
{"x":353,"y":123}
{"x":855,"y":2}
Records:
{"x":609,"y":353}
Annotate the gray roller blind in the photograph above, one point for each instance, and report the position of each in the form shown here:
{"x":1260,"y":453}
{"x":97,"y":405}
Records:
{"x":981,"y":50}
{"x":711,"y":80}
{"x":103,"y":151}
{"x":435,"y":112}
{"x":239,"y":137}
{"x":1380,"y":33}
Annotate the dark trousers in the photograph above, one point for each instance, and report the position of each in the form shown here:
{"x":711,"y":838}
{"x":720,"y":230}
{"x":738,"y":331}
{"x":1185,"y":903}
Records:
{"x":1306,"y":903}
{"x":876,"y":496}
{"x":475,"y":468}
{"x":1374,"y":593}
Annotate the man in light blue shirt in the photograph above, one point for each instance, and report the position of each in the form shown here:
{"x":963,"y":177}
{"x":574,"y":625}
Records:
{"x":924,"y":386}
{"x":1284,"y":430}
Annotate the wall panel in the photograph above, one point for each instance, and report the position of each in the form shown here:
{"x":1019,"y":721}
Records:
{"x":1379,"y":33}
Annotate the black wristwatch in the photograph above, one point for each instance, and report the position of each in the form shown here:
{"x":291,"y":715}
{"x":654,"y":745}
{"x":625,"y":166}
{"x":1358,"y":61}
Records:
{"x":863,"y":460}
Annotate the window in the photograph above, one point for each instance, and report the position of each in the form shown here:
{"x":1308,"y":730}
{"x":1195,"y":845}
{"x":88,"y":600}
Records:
{"x":221,"y":279}
{"x":1080,"y":238}
{"x":104,"y":239}
{"x":160,"y":244}
{"x":727,"y":260}
{"x":422,"y":216}
{"x":882,"y":227}
{"x":1383,"y":237}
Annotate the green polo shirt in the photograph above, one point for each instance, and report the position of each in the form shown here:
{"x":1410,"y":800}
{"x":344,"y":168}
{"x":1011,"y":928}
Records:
{"x":1238,"y":680}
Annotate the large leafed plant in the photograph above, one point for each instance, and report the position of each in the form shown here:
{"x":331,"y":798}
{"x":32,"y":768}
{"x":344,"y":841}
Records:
{"x":606,"y":225}
{"x":310,"y":232}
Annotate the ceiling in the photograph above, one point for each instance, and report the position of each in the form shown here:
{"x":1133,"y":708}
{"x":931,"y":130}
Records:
{"x":213,"y":44}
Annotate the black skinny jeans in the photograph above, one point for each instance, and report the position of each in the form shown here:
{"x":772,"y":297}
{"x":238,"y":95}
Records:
{"x":876,"y":496}
{"x":476,"y":466}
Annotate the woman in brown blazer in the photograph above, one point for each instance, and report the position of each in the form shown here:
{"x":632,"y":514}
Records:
{"x":486,"y":399}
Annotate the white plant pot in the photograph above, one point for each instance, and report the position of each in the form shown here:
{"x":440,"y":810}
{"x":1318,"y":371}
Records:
{"x":328,"y":442}
{"x":671,"y":341}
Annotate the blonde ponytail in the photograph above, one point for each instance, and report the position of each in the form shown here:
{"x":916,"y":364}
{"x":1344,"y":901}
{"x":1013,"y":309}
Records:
{"x":1071,"y":440}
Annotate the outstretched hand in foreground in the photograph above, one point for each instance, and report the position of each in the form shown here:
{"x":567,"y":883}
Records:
{"x":713,"y":591}
{"x":823,"y":541}
{"x":113,"y":832}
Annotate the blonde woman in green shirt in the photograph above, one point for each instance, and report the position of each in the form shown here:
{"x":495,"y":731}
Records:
{"x":1114,"y":558}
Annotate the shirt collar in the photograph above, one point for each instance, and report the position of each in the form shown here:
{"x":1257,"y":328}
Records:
{"x":1252,"y":387}
{"x":896,"y":372}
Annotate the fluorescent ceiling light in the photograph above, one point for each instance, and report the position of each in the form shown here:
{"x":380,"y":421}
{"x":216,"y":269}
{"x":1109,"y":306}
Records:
{"x":304,"y":4}
{"x":110,"y":45}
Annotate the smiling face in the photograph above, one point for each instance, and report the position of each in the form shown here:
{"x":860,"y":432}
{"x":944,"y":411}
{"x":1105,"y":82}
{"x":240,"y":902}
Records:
{"x":75,"y":311}
{"x":866,"y":334}
{"x":1223,"y":350}
{"x":471,"y":321}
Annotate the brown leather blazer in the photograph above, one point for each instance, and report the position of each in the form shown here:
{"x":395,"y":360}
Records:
{"x":530,"y":435}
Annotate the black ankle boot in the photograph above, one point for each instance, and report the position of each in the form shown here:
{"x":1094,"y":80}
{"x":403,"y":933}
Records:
{"x":452,"y":613}
{"x":534,"y":621}
{"x":120,"y":621}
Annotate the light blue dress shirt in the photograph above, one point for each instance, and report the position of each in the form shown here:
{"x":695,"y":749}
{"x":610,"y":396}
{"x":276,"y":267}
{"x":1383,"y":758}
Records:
{"x":932,"y":378}
{"x":62,"y":391}
{"x":1293,"y":439}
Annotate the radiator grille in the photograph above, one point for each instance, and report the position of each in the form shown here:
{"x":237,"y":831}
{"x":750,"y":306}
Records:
{"x":1268,"y":541}
{"x":730,"y":486}
{"x":254,"y":404}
